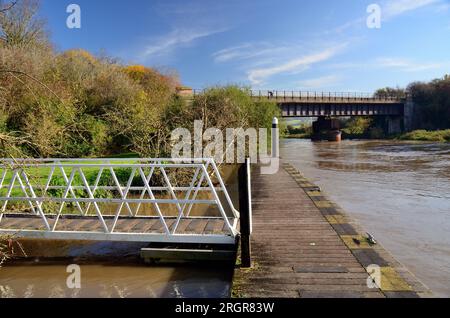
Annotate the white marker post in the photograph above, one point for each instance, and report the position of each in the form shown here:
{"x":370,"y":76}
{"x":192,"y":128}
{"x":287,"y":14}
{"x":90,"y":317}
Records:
{"x":275,"y":138}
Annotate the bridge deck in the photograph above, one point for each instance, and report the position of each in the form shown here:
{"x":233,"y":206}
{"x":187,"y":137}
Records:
{"x":302,"y":246}
{"x":127,"y":228}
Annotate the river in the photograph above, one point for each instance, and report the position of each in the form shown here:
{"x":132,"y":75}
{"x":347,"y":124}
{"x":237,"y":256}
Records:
{"x":397,"y":191}
{"x":42,"y":280}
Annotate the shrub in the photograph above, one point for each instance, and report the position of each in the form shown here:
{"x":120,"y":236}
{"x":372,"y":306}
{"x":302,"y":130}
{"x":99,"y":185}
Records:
{"x":424,"y":135}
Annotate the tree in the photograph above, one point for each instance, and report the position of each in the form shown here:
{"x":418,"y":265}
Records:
{"x":7,"y":7}
{"x":389,"y":92}
{"x":20,"y":24}
{"x":432,"y":102}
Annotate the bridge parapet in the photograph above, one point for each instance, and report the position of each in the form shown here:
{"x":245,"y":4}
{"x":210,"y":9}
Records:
{"x":319,"y":97}
{"x":324,"y":97}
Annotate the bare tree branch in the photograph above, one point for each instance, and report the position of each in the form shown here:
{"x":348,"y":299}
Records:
{"x":11,"y":5}
{"x":34,"y":79}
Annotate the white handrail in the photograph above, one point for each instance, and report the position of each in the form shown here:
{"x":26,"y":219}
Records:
{"x":30,"y":181}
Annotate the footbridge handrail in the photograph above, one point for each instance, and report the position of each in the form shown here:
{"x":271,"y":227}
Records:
{"x":51,"y":189}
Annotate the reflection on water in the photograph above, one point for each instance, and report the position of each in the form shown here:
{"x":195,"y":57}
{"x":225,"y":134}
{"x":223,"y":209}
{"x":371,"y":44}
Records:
{"x":115,"y":281}
{"x":399,"y":191}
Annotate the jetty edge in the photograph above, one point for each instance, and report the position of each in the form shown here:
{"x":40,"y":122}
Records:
{"x":306,"y":246}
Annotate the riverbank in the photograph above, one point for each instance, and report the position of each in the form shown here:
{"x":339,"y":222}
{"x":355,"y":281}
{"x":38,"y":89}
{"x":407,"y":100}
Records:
{"x":426,"y":135}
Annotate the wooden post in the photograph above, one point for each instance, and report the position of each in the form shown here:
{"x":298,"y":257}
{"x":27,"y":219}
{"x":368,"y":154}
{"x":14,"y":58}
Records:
{"x":245,"y":207}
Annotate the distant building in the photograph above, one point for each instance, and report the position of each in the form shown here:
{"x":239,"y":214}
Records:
{"x":185,"y":91}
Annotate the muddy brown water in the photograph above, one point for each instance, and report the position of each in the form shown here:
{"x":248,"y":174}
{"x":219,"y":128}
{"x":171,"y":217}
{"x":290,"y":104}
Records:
{"x":398,"y":191}
{"x":115,"y":280}
{"x":40,"y":277}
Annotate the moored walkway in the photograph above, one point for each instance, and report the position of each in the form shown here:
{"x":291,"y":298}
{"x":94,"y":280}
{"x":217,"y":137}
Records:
{"x":303,"y":245}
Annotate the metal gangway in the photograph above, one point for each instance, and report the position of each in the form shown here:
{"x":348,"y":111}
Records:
{"x":134,"y":200}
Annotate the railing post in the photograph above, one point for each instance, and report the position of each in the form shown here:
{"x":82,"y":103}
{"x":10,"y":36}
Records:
{"x":245,"y":210}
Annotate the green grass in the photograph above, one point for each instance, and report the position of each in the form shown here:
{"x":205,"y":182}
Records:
{"x":128,"y":155}
{"x":425,"y":135}
{"x":38,"y":176}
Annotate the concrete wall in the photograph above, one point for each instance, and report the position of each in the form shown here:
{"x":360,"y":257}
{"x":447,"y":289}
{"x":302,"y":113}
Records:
{"x":408,"y":117}
{"x":394,"y":124}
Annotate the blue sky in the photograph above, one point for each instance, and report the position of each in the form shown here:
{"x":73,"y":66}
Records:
{"x":267,"y":44}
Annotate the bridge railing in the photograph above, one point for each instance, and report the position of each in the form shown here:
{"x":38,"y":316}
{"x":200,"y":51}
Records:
{"x":110,"y":190}
{"x":317,"y":96}
{"x":320,"y":96}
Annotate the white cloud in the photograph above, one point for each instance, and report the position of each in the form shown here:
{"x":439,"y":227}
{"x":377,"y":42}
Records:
{"x":394,"y":8}
{"x":258,"y":75}
{"x":246,"y":51}
{"x":319,"y":82}
{"x":444,"y":7}
{"x":176,"y":39}
{"x":407,"y":65}
{"x":393,"y":63}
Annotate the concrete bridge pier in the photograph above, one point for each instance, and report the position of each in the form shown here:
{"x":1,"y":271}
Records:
{"x":394,"y":125}
{"x":408,"y":114}
{"x":326,"y":128}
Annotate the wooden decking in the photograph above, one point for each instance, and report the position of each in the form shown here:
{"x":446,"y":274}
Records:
{"x":149,"y":225}
{"x":305,"y":246}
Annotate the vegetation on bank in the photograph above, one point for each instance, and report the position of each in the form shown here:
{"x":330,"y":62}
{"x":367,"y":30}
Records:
{"x":432,"y":104}
{"x":424,"y":135}
{"x":302,"y":131}
{"x":76,"y":104}
{"x":363,"y":128}
{"x":9,"y":247}
{"x":352,"y":128}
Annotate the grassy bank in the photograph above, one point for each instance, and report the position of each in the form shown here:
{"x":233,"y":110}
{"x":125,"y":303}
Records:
{"x":425,"y":135}
{"x":416,"y":135}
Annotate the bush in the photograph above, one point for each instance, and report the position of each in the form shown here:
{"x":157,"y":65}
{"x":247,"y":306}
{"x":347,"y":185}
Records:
{"x":357,"y":126}
{"x":424,"y":135}
{"x":9,"y":247}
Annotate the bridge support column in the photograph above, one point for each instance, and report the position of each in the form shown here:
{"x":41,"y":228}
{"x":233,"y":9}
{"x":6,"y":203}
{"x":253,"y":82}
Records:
{"x":408,"y":114}
{"x":394,"y":125}
{"x":326,"y":129}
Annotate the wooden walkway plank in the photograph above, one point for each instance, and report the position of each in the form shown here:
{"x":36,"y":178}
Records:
{"x":300,"y":246}
{"x":124,"y":224}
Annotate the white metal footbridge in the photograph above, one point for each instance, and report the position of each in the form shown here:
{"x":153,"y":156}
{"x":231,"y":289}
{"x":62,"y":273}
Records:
{"x":135,"y":200}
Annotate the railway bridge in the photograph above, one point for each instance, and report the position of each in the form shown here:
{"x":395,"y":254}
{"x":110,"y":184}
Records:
{"x":328,"y":105}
